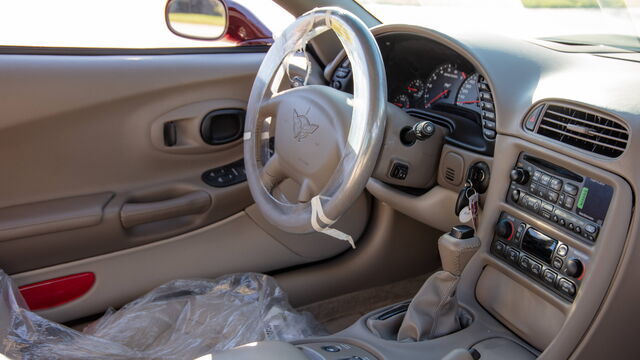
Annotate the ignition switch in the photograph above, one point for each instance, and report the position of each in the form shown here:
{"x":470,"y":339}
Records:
{"x":479,"y":175}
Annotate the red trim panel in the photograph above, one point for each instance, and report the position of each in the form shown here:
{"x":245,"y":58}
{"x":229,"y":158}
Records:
{"x":58,"y":291}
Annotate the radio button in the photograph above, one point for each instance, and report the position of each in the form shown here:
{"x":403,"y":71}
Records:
{"x":552,"y":196}
{"x":577,"y":230}
{"x":570,"y":188}
{"x":570,"y":226}
{"x":549,"y":277}
{"x":537,"y":175}
{"x":563,"y":250}
{"x":561,"y":222}
{"x":590,"y":229}
{"x":568,"y":202}
{"x":567,"y":287}
{"x":557,"y":263}
{"x":556,"y":184}
{"x":545,"y":179}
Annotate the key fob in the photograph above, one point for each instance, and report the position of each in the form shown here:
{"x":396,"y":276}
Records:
{"x":462,"y":201}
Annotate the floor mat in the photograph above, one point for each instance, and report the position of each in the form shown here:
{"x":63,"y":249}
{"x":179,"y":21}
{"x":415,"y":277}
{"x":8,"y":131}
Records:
{"x":338,"y":313}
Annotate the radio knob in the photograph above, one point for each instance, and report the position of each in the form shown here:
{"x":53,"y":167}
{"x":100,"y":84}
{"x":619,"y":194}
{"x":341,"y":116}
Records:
{"x":504,"y":229}
{"x":519,"y":175}
{"x":575,"y":268}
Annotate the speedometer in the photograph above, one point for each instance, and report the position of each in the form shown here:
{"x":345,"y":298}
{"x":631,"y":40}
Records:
{"x":469,"y":96}
{"x":444,"y":81}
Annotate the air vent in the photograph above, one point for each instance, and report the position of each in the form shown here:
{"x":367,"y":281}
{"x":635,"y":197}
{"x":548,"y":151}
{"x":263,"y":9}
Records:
{"x":584,"y":130}
{"x":450,"y":175}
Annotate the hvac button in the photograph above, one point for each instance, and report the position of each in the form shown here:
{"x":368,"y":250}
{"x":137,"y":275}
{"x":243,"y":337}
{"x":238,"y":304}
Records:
{"x":549,"y":277}
{"x":567,"y":287}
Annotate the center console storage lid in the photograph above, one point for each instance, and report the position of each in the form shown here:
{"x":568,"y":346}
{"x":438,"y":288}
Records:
{"x":522,"y":311}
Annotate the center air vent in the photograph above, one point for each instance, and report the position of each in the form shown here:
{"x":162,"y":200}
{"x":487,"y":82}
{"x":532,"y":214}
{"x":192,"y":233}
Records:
{"x":583,"y":130}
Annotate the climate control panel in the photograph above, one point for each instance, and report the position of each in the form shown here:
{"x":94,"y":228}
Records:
{"x":556,"y":265}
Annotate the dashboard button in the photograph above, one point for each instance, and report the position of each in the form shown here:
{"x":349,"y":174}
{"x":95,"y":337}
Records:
{"x":499,"y":247}
{"x":570,"y":188}
{"x":578,"y":230}
{"x":536,"y":269}
{"x":562,"y":222}
{"x":513,"y":255}
{"x":567,"y":287}
{"x":570,"y":226}
{"x":552,"y":196}
{"x":556,"y":184}
{"x":537,"y":175}
{"x":557,"y":263}
{"x":489,"y":125}
{"x":568,"y":202}
{"x":525,"y":263}
{"x":331,"y":348}
{"x":487,"y":106}
{"x":590,"y":229}
{"x":549,"y":277}
{"x":489,"y":134}
{"x":487,"y":115}
{"x":545,"y":179}
{"x":563,"y":250}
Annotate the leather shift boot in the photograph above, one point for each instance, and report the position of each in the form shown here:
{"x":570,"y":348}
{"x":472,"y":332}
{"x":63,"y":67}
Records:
{"x":433,"y":312}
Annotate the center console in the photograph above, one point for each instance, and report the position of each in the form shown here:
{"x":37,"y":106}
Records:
{"x":573,"y":203}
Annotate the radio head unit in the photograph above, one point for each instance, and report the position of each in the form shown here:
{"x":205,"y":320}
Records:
{"x":571,"y":201}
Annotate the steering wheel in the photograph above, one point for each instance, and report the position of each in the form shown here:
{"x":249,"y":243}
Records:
{"x":325,"y":140}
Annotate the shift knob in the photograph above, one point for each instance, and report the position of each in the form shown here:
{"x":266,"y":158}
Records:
{"x":456,"y":249}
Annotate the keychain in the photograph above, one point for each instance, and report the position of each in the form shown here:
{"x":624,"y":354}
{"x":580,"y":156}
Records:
{"x":473,"y":207}
{"x":463,"y":205}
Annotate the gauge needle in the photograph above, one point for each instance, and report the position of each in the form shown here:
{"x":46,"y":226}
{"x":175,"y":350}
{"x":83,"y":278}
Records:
{"x":437,"y":97}
{"x":469,"y":102}
{"x":411,"y":89}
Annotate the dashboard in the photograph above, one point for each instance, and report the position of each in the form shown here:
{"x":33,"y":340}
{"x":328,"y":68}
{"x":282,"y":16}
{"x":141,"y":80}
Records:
{"x":432,"y":82}
{"x":556,"y":126}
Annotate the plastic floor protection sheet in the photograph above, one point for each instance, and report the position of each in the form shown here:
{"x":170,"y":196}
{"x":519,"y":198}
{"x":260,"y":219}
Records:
{"x":182,"y":319}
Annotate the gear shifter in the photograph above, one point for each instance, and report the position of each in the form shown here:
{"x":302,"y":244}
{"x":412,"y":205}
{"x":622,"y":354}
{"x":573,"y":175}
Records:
{"x":433,"y":312}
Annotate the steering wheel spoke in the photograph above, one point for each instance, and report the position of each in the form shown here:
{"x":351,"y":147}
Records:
{"x":272,"y":173}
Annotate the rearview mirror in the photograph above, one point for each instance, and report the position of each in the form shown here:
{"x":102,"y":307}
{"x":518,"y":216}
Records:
{"x":197,"y":19}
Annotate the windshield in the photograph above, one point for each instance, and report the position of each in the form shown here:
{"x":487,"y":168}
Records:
{"x":603,"y":22}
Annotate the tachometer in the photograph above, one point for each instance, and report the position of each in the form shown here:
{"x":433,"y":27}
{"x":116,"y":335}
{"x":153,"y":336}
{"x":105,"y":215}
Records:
{"x":469,"y":95}
{"x":441,"y":83}
{"x":416,"y":88}
{"x":401,"y":101}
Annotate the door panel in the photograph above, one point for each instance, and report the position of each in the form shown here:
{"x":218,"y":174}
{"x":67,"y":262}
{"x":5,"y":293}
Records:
{"x":90,"y":185}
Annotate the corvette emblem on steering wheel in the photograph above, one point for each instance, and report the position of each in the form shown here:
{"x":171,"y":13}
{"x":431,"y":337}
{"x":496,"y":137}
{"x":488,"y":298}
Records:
{"x":302,"y":127}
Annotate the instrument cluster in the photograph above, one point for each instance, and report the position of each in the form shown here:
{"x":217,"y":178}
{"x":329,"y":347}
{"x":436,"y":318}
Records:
{"x":448,"y":88}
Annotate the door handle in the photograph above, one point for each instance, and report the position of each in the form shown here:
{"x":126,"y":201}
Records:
{"x":133,"y":214}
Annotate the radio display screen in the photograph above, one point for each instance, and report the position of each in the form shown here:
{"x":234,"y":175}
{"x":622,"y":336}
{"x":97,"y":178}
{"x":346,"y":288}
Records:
{"x":539,"y":245}
{"x":593,"y":200}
